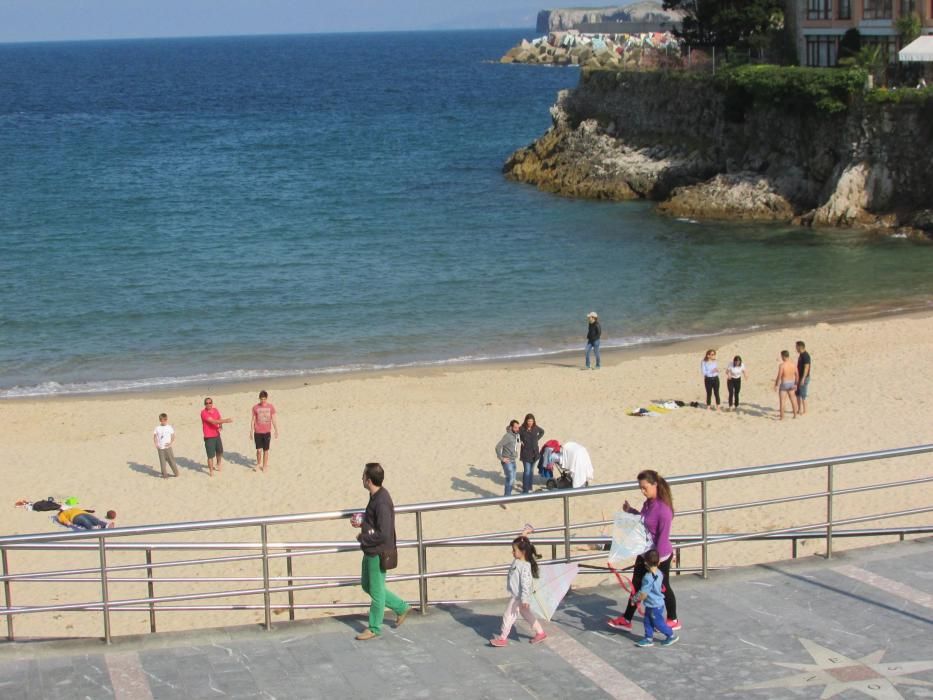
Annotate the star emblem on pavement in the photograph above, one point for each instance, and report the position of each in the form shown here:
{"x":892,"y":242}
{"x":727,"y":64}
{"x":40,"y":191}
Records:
{"x":839,"y":673}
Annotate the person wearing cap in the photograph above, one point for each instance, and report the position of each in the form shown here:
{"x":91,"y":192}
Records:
{"x":593,"y":333}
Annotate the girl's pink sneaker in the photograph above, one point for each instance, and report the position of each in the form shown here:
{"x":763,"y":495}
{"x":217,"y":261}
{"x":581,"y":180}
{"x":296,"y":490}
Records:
{"x":498,"y":642}
{"x":540,"y":637}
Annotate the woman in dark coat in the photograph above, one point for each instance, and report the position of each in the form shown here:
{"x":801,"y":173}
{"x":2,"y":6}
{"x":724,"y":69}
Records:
{"x":529,"y":433}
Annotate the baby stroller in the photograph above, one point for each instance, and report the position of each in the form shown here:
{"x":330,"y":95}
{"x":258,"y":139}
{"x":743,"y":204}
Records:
{"x":574,"y":467}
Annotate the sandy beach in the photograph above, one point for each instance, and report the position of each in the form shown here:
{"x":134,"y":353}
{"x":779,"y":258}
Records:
{"x":434,"y":430}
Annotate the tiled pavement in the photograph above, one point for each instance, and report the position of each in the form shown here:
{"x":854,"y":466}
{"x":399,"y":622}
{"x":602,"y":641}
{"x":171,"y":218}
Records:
{"x":860,"y":625}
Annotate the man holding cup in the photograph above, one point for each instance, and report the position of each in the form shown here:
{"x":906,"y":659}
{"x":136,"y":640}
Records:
{"x":377,"y":540}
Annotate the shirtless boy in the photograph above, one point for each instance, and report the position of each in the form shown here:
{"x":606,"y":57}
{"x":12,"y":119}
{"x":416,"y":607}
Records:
{"x":786,"y":383}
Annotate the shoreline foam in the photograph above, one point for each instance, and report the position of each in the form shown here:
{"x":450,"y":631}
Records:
{"x":249,"y":377}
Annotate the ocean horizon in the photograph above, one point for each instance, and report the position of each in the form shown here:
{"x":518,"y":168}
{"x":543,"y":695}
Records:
{"x":193,"y":210}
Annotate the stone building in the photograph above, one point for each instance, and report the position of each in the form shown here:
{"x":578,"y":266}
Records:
{"x":820,"y":24}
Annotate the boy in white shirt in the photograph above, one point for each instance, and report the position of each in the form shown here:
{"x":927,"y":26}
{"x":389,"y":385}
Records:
{"x":164,"y":437}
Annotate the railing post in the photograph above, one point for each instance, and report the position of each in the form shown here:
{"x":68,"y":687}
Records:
{"x":567,"y":528}
{"x":291,"y":593}
{"x":829,"y":510}
{"x":150,"y":586}
{"x":793,"y":548}
{"x":677,"y":561}
{"x":705,"y":527}
{"x":6,"y":595}
{"x":266,"y":594}
{"x":104,"y":593}
{"x":422,"y":563}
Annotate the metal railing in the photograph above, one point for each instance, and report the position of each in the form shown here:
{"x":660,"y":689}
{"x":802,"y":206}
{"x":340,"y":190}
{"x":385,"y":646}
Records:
{"x":265,"y":551}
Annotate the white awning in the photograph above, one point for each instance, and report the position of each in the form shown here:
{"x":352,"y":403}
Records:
{"x":920,"y":49}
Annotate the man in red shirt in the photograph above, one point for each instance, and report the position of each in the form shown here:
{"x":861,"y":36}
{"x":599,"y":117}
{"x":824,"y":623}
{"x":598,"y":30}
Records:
{"x":211,"y":425}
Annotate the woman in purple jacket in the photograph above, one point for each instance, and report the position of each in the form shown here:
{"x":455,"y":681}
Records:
{"x":657,"y":513}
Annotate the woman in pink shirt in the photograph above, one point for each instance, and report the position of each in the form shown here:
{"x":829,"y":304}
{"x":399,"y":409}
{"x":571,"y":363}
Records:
{"x":657,"y":513}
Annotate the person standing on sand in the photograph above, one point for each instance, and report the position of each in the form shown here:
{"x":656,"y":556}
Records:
{"x":529,"y":434}
{"x":734,"y":374}
{"x":508,"y":450}
{"x":261,"y":427}
{"x":211,"y":425}
{"x":785,"y":383}
{"x":377,"y":537}
{"x":164,"y":437}
{"x":593,"y":333}
{"x":709,"y":368}
{"x":803,"y":372}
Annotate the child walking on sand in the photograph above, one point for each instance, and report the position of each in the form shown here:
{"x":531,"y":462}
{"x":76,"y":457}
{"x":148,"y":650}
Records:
{"x":524,"y":568}
{"x":653,"y":599}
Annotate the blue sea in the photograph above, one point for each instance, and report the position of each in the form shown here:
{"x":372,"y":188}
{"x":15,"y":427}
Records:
{"x":198,"y":210}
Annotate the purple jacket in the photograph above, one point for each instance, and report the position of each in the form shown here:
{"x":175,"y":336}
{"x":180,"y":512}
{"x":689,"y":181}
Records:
{"x":657,"y":517}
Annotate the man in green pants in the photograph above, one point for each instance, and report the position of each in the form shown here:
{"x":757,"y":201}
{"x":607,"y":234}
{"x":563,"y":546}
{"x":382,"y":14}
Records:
{"x":378,"y":536}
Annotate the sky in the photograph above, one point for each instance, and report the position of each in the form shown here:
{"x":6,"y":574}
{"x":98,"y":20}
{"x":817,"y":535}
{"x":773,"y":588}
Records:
{"x":58,"y":20}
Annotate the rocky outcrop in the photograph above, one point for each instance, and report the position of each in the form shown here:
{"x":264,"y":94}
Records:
{"x":671,"y":138}
{"x":631,"y":51}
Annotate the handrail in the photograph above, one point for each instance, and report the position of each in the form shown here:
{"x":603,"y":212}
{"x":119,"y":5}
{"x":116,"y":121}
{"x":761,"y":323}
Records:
{"x":432,"y":506}
{"x":107,"y":541}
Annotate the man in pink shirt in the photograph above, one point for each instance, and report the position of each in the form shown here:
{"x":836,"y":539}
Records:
{"x":211,"y":425}
{"x":261,"y":428}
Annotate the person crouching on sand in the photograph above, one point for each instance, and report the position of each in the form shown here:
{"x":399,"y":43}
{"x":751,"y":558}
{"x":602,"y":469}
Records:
{"x":785,"y":384}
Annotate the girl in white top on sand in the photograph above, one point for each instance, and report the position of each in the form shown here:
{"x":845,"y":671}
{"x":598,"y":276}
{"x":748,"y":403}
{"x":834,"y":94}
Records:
{"x":710,"y":370}
{"x":734,"y":374}
{"x":524,"y":568}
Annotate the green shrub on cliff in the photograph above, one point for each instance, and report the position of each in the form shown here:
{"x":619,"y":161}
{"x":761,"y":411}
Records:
{"x":792,"y":88}
{"x":905,"y":95}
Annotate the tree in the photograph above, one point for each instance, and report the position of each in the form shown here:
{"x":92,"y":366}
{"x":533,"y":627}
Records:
{"x":909,"y":27}
{"x":850,"y":44}
{"x":725,"y":23}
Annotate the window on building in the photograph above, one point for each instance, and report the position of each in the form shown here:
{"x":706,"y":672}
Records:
{"x":821,"y":50}
{"x":819,"y":9}
{"x":877,"y":9}
{"x":845,"y":9}
{"x":908,"y":7}
{"x":888,"y":46}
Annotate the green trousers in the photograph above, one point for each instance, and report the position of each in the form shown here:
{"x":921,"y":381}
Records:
{"x":374,"y":584}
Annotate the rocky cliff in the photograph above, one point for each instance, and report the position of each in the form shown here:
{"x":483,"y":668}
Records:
{"x":672,"y":138}
{"x":571,"y":18}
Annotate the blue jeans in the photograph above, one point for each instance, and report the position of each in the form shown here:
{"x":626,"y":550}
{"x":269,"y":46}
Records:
{"x":654,"y":618}
{"x":528,"y":476}
{"x":509,"y":469}
{"x":87,"y":521}
{"x":594,"y":346}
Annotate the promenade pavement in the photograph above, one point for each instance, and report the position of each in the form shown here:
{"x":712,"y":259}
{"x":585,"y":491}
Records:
{"x":860,"y":625}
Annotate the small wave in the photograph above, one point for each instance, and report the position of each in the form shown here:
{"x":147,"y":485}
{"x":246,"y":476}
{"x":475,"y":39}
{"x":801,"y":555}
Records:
{"x":45,"y":389}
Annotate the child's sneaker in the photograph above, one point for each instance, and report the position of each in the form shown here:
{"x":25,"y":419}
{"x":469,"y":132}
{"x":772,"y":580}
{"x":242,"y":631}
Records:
{"x":647,"y":642}
{"x":498,"y":642}
{"x":673,"y":639}
{"x":620,"y":623}
{"x":540,"y":637}
{"x":674,"y":624}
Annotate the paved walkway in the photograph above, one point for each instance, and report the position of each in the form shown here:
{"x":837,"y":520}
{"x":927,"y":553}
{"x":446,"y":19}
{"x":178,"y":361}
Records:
{"x":860,"y":625}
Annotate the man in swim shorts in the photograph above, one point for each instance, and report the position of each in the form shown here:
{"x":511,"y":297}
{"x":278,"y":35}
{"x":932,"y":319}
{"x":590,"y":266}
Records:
{"x":261,"y":427}
{"x":786,"y":383}
{"x":211,"y":425}
{"x":803,"y":370}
